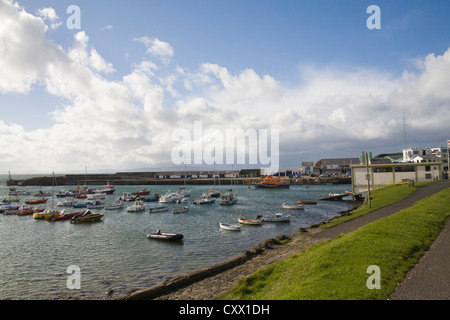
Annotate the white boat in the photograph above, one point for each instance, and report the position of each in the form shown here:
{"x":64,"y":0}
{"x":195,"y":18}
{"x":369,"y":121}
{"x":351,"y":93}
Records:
{"x":229,"y":227}
{"x":115,"y":206}
{"x":205,"y":200}
{"x":137,"y":206}
{"x":183,"y":200}
{"x":180,"y":210}
{"x":228,"y":199}
{"x":96,"y":196}
{"x":279,"y":217}
{"x":293,"y":206}
{"x":254,"y":222}
{"x":170,"y":197}
{"x":96,"y":205}
{"x":68,"y":202}
{"x":212,"y":192}
{"x":159,"y":209}
{"x":183,"y":192}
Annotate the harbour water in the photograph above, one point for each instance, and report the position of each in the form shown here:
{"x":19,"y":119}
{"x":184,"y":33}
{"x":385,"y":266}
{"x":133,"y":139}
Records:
{"x":116,"y":254}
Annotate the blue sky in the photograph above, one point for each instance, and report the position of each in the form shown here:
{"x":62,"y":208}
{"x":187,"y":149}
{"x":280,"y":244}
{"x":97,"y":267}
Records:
{"x":311,"y":69}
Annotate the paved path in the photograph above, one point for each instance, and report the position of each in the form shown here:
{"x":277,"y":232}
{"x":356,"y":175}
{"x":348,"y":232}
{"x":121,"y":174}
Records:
{"x":430,"y":278}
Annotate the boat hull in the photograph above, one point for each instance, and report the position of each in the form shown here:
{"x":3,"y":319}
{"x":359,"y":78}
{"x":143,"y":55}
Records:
{"x":229,"y":227}
{"x":166,"y":236}
{"x":249,"y":221}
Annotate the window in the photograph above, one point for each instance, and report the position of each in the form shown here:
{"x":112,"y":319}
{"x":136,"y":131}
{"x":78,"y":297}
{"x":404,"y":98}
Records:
{"x":382,"y":169}
{"x":427,"y":175}
{"x":427,"y":168}
{"x":405,"y":169}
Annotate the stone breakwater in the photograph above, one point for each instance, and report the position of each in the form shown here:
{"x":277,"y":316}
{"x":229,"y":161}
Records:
{"x":148,"y":179}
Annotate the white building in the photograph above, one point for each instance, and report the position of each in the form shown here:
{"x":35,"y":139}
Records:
{"x":427,"y":154}
{"x":382,"y":175}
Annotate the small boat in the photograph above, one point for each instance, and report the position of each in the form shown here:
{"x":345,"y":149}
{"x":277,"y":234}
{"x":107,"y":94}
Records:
{"x":183,"y":200}
{"x":86,"y":216}
{"x":279,"y":217}
{"x":47,"y":214}
{"x":126,"y":196}
{"x":42,"y":194}
{"x":212,"y":192}
{"x":306,"y":202}
{"x":62,"y":217}
{"x":229,"y":227}
{"x":183,"y":192}
{"x":159,"y":209}
{"x":180,"y":210}
{"x":38,"y":201}
{"x":228,"y":199}
{"x":96,"y":196}
{"x":205,"y":200}
{"x":254,"y":222}
{"x":167,"y":236}
{"x":64,"y":193}
{"x":115,"y":206}
{"x":68,"y":202}
{"x":143,"y":192}
{"x":96,"y":205}
{"x":137,"y":206}
{"x":170,"y":197}
{"x":293,"y":206}
{"x":153,"y":199}
{"x":29,"y":211}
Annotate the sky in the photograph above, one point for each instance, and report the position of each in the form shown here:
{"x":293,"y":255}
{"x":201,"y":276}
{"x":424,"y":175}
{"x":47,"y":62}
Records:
{"x":126,"y":85}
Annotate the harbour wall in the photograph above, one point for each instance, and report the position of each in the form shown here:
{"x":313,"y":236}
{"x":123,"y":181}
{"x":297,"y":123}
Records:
{"x":148,"y":178}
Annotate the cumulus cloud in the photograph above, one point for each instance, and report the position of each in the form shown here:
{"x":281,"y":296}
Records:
{"x":128,"y":123}
{"x":157,"y":48}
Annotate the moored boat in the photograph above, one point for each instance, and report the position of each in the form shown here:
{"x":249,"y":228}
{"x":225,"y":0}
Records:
{"x":118,"y":204}
{"x":170,"y":197}
{"x":137,"y":206}
{"x":38,"y":201}
{"x":228,"y":199}
{"x":62,"y":217}
{"x":46,"y":214}
{"x":180,"y":210}
{"x":254,"y":222}
{"x":86,"y":216}
{"x":229,"y":227}
{"x":271,"y":182}
{"x":167,"y":236}
{"x":293,"y":206}
{"x":279,"y":217}
{"x":159,"y":209}
{"x":206,"y":199}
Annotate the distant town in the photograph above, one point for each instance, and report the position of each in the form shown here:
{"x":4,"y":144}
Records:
{"x":331,"y":171}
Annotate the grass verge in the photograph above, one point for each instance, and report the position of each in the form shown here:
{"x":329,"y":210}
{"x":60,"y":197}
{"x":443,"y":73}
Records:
{"x":337,"y":269}
{"x":379,"y":198}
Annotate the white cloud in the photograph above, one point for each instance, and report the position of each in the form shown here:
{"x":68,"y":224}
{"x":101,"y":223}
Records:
{"x":157,"y":47}
{"x":50,"y":15}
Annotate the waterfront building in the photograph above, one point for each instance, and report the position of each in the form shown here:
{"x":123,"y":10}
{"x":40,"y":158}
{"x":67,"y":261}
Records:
{"x":382,"y":175}
{"x":336,"y":165}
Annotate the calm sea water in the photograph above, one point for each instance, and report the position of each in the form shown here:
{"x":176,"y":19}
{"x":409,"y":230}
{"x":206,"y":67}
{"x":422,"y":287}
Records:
{"x":116,"y":254}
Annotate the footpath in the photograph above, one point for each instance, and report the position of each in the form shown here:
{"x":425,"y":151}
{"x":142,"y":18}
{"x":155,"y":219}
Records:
{"x":428,"y":280}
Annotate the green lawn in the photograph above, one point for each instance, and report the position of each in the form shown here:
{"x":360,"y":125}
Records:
{"x":379,"y":198}
{"x":337,"y":269}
